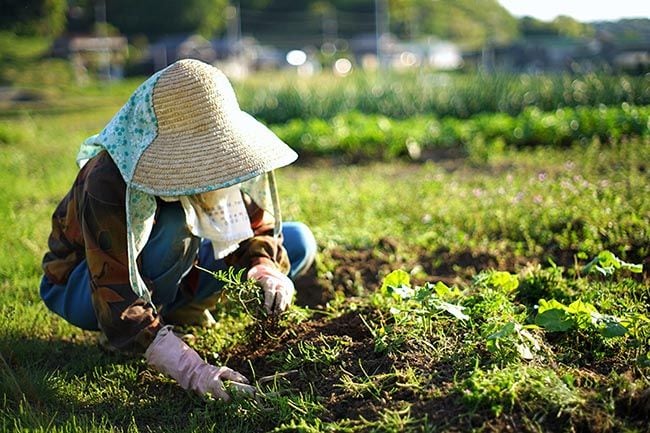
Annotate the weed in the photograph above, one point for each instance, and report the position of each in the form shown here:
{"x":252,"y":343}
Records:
{"x":503,"y":389}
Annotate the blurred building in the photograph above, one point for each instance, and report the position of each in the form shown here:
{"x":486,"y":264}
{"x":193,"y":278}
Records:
{"x":391,"y":52}
{"x":103,"y":56}
{"x":562,"y":54}
{"x":168,"y":49}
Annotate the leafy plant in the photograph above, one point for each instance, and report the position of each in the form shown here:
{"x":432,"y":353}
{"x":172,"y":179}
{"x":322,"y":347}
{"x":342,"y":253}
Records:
{"x":503,"y":389}
{"x":557,"y":317}
{"x":516,"y":335}
{"x":240,"y":293}
{"x":607,"y":264}
{"x":371,"y":136}
{"x":419,"y":300}
{"x":461,"y":96}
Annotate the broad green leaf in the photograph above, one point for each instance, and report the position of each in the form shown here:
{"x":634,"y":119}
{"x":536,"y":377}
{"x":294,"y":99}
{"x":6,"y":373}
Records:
{"x":579,"y":306}
{"x":613,"y":328}
{"x":584,"y":314}
{"x":555,"y":320}
{"x":445,"y":292}
{"x":454,"y":310}
{"x":397,"y":278}
{"x":607,"y":263}
{"x":551,"y":304}
{"x":504,"y":280}
{"x":505,"y":330}
{"x":644,"y":360}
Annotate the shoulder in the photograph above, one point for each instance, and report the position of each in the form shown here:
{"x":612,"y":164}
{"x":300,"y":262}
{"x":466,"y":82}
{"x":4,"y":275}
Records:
{"x":102,"y":180}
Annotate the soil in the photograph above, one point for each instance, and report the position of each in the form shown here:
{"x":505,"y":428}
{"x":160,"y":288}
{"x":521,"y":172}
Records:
{"x":358,"y":271}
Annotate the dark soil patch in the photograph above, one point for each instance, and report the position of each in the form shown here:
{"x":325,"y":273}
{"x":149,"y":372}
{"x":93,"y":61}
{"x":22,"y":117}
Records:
{"x":358,"y":271}
{"x":438,"y":402}
{"x":258,"y":358}
{"x":361,"y":270}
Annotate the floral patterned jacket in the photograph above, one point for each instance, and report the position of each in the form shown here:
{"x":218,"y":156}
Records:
{"x":90,"y":223}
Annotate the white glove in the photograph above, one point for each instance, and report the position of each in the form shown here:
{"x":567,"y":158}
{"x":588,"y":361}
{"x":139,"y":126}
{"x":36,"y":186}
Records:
{"x":170,"y":355}
{"x":278,"y":288}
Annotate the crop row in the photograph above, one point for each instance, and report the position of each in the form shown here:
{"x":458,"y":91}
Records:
{"x":358,"y":136}
{"x":280,"y":99}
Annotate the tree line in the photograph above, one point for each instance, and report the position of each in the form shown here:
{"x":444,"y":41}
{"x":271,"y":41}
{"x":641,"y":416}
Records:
{"x":470,"y":22}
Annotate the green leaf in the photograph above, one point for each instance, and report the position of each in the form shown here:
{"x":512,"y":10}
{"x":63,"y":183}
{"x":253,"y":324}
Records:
{"x":550,"y":305}
{"x":643,"y":360}
{"x":499,"y":280}
{"x":396,"y":278}
{"x":613,"y":328}
{"x":505,"y":330}
{"x":397,"y":284}
{"x":607,"y":263}
{"x":581,"y":307}
{"x":423,"y":294}
{"x":454,"y":310}
{"x":555,"y":320}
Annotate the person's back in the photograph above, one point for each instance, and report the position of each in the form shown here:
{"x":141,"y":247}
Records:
{"x":179,"y":177}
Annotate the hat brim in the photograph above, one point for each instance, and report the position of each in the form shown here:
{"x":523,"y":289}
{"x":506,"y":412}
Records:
{"x":215,"y":157}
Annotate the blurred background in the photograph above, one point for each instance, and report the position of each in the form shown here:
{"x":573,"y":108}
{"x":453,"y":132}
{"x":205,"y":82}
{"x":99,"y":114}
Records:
{"x":112,"y":39}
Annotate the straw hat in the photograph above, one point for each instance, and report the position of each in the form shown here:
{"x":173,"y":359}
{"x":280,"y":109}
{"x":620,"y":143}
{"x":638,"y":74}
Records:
{"x":204,"y":141}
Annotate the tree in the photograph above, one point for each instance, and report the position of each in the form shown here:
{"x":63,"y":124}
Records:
{"x":468,"y":22}
{"x":560,"y":26}
{"x":159,"y":17}
{"x":567,"y":26}
{"x":33,"y":17}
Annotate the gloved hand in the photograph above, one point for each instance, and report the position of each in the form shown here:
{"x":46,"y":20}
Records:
{"x":170,"y":355}
{"x":278,"y":288}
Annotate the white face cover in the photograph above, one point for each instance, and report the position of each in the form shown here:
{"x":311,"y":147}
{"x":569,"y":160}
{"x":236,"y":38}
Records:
{"x":219,"y":216}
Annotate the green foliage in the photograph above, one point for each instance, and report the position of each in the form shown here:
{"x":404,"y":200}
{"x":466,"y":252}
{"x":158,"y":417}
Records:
{"x":404,"y":300}
{"x":557,"y":317}
{"x":160,"y":17}
{"x":239,"y":293}
{"x":355,"y":136}
{"x":607,"y":264}
{"x":515,"y":336}
{"x":15,"y":134}
{"x":321,"y":354}
{"x":432,"y":370}
{"x":471,"y":23}
{"x":402,"y":95}
{"x":503,"y":389}
{"x":33,"y":17}
{"x":560,"y":26}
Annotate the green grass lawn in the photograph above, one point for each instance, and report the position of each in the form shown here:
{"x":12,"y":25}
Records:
{"x":472,"y":353}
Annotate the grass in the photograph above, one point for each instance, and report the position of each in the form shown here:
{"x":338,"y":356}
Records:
{"x":467,"y":355}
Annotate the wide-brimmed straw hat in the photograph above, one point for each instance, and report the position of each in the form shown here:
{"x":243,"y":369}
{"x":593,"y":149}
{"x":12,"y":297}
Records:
{"x":204,"y":140}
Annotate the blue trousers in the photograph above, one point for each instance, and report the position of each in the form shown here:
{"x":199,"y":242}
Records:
{"x":165,"y":266}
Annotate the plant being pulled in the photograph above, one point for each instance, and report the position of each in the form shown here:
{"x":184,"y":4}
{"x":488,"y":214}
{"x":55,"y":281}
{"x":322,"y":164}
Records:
{"x":244,"y":295}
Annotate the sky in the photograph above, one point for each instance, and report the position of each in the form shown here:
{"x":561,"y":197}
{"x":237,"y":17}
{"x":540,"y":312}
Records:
{"x":581,"y":10}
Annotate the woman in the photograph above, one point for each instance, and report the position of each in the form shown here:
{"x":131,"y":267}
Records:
{"x":179,"y":176}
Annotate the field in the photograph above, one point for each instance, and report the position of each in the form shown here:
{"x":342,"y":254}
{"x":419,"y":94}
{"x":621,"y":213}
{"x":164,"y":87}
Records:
{"x":490,"y":282}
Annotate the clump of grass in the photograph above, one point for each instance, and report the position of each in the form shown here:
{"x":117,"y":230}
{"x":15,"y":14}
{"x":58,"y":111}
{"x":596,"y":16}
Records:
{"x":529,"y":387}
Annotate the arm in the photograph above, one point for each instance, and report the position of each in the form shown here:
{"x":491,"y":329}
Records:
{"x":128,"y":322}
{"x":263,"y":247}
{"x":266,"y":259}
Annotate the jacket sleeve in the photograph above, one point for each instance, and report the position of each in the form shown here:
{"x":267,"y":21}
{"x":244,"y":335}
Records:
{"x":263,"y":247}
{"x":128,"y":322}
